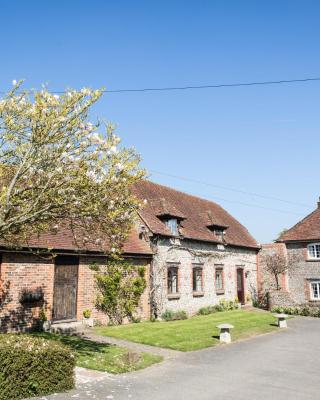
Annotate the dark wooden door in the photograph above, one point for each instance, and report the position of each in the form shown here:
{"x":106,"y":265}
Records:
{"x":65,"y":289}
{"x":240,"y":285}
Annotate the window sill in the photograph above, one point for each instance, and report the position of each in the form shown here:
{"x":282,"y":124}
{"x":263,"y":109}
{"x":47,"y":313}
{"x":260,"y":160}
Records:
{"x":220,"y":291}
{"x":174,"y":296}
{"x":313,"y":260}
{"x":198,"y":294}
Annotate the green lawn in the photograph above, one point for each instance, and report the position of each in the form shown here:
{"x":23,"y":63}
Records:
{"x":102,"y":357}
{"x":194,"y":333}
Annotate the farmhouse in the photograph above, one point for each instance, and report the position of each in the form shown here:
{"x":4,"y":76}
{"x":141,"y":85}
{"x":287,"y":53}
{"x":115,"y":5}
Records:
{"x":300,"y":284}
{"x":195,"y":254}
{"x":201,"y":254}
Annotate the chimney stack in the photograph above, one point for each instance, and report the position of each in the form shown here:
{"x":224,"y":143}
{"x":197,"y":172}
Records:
{"x":319,"y":202}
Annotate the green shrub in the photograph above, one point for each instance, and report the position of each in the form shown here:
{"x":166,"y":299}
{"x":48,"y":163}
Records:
{"x":226,"y":305}
{"x":208,"y":310}
{"x":304,"y":311}
{"x":169,"y":315}
{"x":33,"y":367}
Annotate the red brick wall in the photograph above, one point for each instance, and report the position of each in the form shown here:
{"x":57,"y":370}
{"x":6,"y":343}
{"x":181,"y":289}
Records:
{"x":24,"y":271}
{"x":27,"y":271}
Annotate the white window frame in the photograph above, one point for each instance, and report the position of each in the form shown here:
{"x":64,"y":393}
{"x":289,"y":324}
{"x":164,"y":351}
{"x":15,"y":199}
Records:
{"x":314,"y":246}
{"x":312,"y":297}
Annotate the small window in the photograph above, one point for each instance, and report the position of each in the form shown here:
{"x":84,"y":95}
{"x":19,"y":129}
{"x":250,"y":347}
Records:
{"x":173,"y":280}
{"x":219,"y":280}
{"x":172,"y":224}
{"x":219,"y":233}
{"x":315,"y":290}
{"x":197,"y":279}
{"x":314,"y":251}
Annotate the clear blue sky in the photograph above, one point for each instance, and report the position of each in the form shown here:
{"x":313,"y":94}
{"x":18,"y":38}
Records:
{"x":261,"y":139}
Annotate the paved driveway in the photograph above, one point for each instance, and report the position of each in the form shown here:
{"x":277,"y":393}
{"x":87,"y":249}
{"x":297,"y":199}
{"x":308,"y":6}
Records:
{"x":283,"y":365}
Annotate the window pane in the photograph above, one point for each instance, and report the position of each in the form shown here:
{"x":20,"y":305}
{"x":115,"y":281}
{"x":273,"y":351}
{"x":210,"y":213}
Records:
{"x":315,"y":290}
{"x":314,"y":250}
{"x":197,"y":279}
{"x":173,"y":280}
{"x":219,"y":279}
{"x":172,"y":224}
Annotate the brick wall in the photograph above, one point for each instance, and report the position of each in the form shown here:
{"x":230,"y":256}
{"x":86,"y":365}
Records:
{"x":25,"y":272}
{"x":296,"y":281}
{"x":29,"y":272}
{"x":301,"y":272}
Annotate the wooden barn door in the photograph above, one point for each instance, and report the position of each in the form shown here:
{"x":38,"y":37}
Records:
{"x":65,"y":288}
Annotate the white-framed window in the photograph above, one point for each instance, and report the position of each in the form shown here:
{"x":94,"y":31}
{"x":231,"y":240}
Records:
{"x":172,"y":224}
{"x":315,"y":290}
{"x":314,"y":251}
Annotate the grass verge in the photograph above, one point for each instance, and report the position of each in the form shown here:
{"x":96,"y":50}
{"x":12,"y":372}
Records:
{"x":195,"y":333}
{"x":103,"y":357}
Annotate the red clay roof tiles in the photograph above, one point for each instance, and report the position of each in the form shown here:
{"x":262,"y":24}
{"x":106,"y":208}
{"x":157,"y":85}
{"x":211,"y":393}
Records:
{"x":305,"y":230}
{"x":198,"y":214}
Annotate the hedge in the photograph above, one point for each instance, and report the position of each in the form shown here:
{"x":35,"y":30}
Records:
{"x":33,"y":367}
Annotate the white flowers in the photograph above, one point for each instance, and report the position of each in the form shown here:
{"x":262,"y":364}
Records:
{"x":85,"y":91}
{"x":14,"y":82}
{"x":119,"y":167}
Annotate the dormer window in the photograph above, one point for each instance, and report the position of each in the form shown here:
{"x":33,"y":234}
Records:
{"x":172,"y":224}
{"x":218,"y":231}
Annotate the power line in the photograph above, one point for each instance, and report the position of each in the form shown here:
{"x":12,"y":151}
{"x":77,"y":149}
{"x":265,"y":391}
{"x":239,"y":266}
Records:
{"x":255,"y":205}
{"x":232,"y":190}
{"x":222,"y":85}
{"x":191,"y":87}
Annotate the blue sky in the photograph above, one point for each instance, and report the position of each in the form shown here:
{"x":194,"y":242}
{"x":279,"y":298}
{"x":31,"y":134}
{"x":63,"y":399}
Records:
{"x":262,"y":139}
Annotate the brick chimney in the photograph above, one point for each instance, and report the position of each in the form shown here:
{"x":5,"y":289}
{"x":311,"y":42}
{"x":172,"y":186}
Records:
{"x":319,"y":202}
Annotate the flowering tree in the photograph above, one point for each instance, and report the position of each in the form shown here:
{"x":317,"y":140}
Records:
{"x":56,"y":169}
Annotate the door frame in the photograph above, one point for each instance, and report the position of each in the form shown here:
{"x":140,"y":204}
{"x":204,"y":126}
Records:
{"x":241,"y":268}
{"x":65,"y":261}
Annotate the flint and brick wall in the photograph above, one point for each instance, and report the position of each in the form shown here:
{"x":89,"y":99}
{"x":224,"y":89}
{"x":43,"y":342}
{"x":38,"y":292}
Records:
{"x":185,"y":256}
{"x":295,"y":282}
{"x":26,"y":271}
{"x":301,"y":273}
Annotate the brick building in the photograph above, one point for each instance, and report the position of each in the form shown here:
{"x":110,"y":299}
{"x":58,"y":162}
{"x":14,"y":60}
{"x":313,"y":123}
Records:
{"x":195,"y":254}
{"x":301,"y":243}
{"x":63,"y":286}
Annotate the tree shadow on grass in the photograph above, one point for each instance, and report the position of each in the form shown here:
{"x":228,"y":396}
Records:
{"x":83,"y":347}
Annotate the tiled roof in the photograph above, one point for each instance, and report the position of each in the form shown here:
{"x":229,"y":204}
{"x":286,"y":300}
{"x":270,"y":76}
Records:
{"x":64,"y":240}
{"x":198,"y":214}
{"x":306,"y":229}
